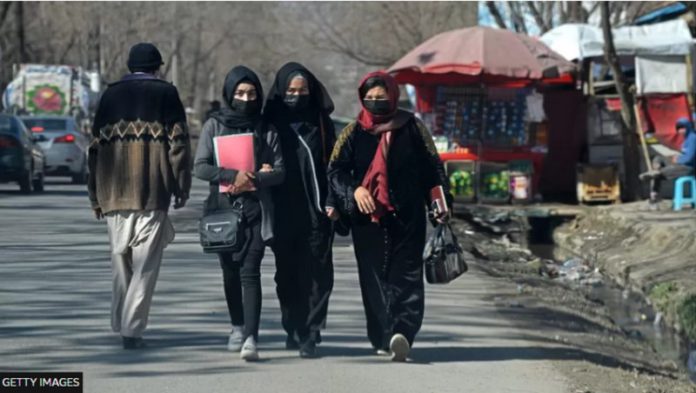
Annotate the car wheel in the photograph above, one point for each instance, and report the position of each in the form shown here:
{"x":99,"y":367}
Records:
{"x":38,"y":183}
{"x":25,"y":183}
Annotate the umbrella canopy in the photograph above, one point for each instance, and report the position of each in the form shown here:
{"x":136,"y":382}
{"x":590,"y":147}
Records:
{"x":480,"y":53}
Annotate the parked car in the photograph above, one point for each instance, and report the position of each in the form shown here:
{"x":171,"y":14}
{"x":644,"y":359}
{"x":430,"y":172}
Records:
{"x":21,"y":159}
{"x":63,"y":144}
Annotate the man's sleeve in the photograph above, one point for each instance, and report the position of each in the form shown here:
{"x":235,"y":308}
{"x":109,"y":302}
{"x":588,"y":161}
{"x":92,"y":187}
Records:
{"x":93,"y":154}
{"x":179,"y":144}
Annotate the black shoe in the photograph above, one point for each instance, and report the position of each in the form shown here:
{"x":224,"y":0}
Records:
{"x":291,"y":343}
{"x":308,"y":349}
{"x":133,"y":343}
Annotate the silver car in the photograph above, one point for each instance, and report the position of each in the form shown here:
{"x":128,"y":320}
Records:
{"x":64,"y":146}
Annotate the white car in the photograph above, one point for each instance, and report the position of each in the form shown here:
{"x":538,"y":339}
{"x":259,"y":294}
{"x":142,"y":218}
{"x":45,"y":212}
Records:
{"x":64,"y":146}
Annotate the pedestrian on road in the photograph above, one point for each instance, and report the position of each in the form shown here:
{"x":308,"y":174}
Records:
{"x":680,"y":165}
{"x":382,"y":170}
{"x":139,"y":157}
{"x":243,"y":99}
{"x":299,"y":106}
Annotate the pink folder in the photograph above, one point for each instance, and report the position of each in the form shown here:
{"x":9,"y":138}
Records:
{"x":234,"y":152}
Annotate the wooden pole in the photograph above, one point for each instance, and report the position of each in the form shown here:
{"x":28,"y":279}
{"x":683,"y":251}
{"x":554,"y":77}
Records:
{"x":690,"y":84}
{"x":639,"y":129}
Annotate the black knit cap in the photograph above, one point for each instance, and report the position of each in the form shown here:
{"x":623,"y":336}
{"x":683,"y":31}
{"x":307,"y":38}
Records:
{"x":144,"y":57}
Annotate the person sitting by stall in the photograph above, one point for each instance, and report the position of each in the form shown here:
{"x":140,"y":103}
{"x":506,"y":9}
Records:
{"x":682,"y":164}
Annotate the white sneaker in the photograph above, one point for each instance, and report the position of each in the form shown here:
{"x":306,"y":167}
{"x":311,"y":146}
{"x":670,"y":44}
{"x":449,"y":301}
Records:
{"x":399,"y":347}
{"x":382,"y":352}
{"x":234,"y":343}
{"x":249,"y":351}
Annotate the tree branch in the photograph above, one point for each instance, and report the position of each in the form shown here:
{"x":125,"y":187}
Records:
{"x":517,"y":18}
{"x":493,"y":9}
{"x":538,"y":17}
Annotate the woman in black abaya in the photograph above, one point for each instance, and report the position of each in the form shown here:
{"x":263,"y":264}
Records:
{"x":298,"y":106}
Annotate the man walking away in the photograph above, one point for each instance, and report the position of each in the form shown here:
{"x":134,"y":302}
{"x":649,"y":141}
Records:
{"x":139,"y":157}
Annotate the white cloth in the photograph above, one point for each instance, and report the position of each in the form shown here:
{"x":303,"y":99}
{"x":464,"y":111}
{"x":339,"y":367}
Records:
{"x":138,"y":239}
{"x":535,"y":107}
{"x":661,"y":74}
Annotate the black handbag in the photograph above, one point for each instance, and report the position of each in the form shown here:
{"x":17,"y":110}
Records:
{"x":222,"y":230}
{"x":444,"y":258}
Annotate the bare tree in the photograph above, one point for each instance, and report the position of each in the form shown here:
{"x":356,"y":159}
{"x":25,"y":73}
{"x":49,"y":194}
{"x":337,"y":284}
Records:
{"x":207,"y":39}
{"x":543,"y":16}
{"x":391,"y":31}
{"x":629,"y":128}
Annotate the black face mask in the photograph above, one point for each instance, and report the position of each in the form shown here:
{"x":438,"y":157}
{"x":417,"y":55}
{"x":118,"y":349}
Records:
{"x":297,"y":102}
{"x":378,"y":107}
{"x":245,"y":107}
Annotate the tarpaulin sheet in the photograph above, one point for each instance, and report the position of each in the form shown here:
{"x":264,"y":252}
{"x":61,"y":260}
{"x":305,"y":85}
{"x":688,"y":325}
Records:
{"x":660,"y":114}
{"x":580,"y":41}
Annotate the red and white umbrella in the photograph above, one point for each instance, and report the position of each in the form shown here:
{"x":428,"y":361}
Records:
{"x":480,"y":53}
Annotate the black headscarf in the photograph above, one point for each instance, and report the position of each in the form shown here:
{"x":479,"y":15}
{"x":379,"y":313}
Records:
{"x":227,"y":115}
{"x":320,"y":103}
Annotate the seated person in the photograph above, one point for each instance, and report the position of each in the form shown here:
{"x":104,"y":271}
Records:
{"x":681,"y":165}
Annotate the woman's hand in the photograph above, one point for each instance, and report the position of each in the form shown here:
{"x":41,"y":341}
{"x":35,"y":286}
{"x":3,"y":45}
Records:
{"x":244,"y":179}
{"x":243,"y":182}
{"x":332,"y":213}
{"x":442,"y":217}
{"x":266,"y":168}
{"x":366,"y":204}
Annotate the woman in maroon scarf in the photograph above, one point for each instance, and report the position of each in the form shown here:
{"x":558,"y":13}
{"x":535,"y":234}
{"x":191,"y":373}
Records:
{"x":382,"y":170}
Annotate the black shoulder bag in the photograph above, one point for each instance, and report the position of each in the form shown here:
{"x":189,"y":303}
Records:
{"x":222,"y":230}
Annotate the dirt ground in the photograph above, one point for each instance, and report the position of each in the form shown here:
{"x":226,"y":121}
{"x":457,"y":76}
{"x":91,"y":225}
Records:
{"x":653,"y":252}
{"x":609,"y":359}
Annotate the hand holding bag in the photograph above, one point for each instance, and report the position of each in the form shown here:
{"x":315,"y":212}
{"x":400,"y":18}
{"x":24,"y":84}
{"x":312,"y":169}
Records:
{"x":222,"y":230}
{"x":444,"y":258}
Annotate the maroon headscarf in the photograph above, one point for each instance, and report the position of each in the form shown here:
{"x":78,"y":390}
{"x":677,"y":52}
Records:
{"x":377,"y":124}
{"x":376,"y":177}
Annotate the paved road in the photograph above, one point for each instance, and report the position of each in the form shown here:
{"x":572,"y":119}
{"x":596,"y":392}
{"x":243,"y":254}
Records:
{"x":55,"y":295}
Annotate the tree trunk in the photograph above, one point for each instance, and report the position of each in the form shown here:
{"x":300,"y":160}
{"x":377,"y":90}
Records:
{"x":631,"y":150}
{"x":21,"y":42}
{"x":193,"y":82}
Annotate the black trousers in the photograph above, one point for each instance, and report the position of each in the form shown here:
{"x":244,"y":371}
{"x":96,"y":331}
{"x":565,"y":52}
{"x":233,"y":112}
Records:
{"x":304,"y":274}
{"x":390,"y":267}
{"x":241,"y":274}
{"x":668,"y":172}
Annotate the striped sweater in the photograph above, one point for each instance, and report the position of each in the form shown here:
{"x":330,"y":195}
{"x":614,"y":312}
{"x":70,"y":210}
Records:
{"x":140,"y":151}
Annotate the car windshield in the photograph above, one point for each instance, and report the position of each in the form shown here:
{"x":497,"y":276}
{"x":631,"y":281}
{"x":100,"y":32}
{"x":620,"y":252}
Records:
{"x":46,"y":124}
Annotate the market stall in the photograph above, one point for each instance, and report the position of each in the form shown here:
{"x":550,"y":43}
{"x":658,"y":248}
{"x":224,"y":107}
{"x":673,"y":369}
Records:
{"x":656,"y":58}
{"x":481,"y":90}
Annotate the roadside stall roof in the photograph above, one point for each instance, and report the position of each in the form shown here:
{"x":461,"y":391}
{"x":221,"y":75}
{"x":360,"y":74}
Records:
{"x":480,"y":54}
{"x":581,"y":41}
{"x":662,"y":13}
